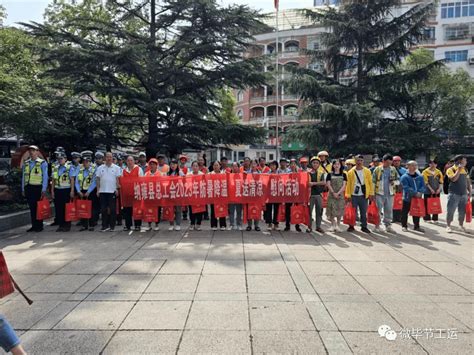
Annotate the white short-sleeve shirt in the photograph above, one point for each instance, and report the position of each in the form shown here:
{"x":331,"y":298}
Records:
{"x":108,"y":177}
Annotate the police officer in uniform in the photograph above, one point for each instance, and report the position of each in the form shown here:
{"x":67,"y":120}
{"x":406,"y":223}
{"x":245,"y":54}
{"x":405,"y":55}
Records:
{"x":63,"y":190}
{"x":75,"y":162}
{"x":54,"y":162}
{"x":34,"y":183}
{"x":99,"y":159}
{"x":85,"y":185}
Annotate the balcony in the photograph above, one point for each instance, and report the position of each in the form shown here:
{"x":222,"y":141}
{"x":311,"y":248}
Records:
{"x":272,"y":99}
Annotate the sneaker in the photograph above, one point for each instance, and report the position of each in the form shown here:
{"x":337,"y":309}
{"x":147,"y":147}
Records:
{"x":257,"y":229}
{"x":145,"y":229}
{"x":332,"y":229}
{"x":177,"y":228}
{"x":275,"y":227}
{"x":389,"y":229}
{"x":308,"y":230}
{"x":351,"y":229}
{"x":214,"y":228}
{"x":365,"y":230}
{"x":171,"y":228}
{"x":198,"y":228}
{"x":419,"y":229}
{"x":105,"y":229}
{"x":222,"y":228}
{"x":191,"y":227}
{"x":248,"y":229}
{"x":229,"y":228}
{"x":287,"y":228}
{"x":337,"y":229}
{"x":449,"y":229}
{"x":126,"y":229}
{"x":269,"y":227}
{"x":298,"y":228}
{"x":241,"y":228}
{"x":111,"y":229}
{"x":137,"y":229}
{"x":465,"y":230}
{"x":377,"y":229}
{"x":320,"y":230}
{"x":404,"y":229}
{"x":157,"y":228}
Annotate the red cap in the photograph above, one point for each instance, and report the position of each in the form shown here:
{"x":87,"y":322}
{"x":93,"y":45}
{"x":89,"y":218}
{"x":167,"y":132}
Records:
{"x":153,"y":160}
{"x":304,"y":160}
{"x":182,"y":156}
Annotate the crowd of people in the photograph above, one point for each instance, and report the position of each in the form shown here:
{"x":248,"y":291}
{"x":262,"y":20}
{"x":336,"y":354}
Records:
{"x":332,"y":185}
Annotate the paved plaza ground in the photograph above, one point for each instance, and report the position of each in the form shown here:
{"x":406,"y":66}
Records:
{"x":241,"y":292}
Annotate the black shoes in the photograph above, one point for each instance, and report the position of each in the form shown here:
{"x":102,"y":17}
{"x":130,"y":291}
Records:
{"x":351,"y":229}
{"x":287,"y":228}
{"x":365,"y":230}
{"x":257,"y":229}
{"x":298,"y":228}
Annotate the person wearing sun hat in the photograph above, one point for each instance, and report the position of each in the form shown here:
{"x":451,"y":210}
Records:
{"x":317,"y":184}
{"x":183,"y":159}
{"x":304,"y":164}
{"x":142,"y":162}
{"x":34,"y":182}
{"x":325,"y":165}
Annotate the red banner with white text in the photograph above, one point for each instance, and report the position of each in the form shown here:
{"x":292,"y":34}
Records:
{"x":215,"y":189}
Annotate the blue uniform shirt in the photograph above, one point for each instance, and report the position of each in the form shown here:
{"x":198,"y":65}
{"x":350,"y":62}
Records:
{"x":44,"y":170}
{"x":61,"y":170}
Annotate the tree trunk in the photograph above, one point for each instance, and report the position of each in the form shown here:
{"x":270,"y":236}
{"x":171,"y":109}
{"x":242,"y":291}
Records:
{"x":152,"y":143}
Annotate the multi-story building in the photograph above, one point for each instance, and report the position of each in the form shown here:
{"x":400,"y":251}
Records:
{"x":450,"y":35}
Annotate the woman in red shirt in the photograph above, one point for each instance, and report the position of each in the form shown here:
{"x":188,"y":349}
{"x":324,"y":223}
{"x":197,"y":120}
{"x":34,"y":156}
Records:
{"x":131,"y":171}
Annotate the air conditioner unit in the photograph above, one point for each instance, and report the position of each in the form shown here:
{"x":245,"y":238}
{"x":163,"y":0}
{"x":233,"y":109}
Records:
{"x":471,"y":61}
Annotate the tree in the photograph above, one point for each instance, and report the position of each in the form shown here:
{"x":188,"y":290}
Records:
{"x":163,"y":64}
{"x":364,"y":44}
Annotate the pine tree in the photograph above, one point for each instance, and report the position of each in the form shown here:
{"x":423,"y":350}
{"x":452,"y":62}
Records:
{"x":364,"y":45}
{"x":163,"y":62}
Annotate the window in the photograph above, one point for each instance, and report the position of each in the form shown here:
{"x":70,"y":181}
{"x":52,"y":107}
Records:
{"x":429,"y":33}
{"x":271,"y":157}
{"x":261,"y":155}
{"x":291,"y":111}
{"x":240,"y":114}
{"x":316,"y":66}
{"x":458,"y":32}
{"x":240,"y":96}
{"x":457,"y":9}
{"x":240,"y":156}
{"x":456,"y":56}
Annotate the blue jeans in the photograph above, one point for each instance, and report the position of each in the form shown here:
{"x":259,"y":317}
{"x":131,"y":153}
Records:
{"x":385,"y":207}
{"x":456,"y":202}
{"x":360,"y":202}
{"x":235,"y":215}
{"x":8,"y":338}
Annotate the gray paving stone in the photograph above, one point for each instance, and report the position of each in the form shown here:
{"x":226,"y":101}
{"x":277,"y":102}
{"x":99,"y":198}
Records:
{"x":22,"y":316}
{"x":173,"y":283}
{"x":65,"y":342}
{"x":140,"y":267}
{"x":372,"y":343}
{"x":312,"y":255}
{"x":408,"y":268}
{"x":462,"y":345}
{"x":60,"y":283}
{"x":124,"y":283}
{"x":182,"y":267}
{"x":336,"y":285}
{"x":321,"y":317}
{"x":96,"y":316}
{"x":366,"y":268}
{"x":287,"y":342}
{"x":218,"y":315}
{"x":55,"y":315}
{"x":222,"y":283}
{"x":162,"y":315}
{"x":270,"y":284}
{"x":89,"y":267}
{"x":266,"y":267}
{"x":335,"y":342}
{"x":268,"y":315}
{"x":215,"y":342}
{"x":322,"y":268}
{"x":449,"y":268}
{"x":143,"y":342}
{"x":43,"y":266}
{"x":224,"y":266}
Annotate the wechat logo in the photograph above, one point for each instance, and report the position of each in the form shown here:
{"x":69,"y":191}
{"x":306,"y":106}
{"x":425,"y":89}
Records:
{"x":387,"y":332}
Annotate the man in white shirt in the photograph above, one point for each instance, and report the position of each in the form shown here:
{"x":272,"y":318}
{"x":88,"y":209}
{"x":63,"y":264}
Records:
{"x":107,"y":178}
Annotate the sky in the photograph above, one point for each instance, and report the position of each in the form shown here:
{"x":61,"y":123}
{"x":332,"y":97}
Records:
{"x":32,"y":10}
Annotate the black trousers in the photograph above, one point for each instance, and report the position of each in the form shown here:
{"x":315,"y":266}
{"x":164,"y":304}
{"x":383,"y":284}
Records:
{"x":33,"y":195}
{"x":108,"y":205}
{"x":287,"y":214}
{"x":91,"y":222}
{"x":271,"y":213}
{"x":196,"y":218}
{"x":127,"y":214}
{"x":61,"y":197}
{"x":428,"y":217}
{"x":405,"y":211}
{"x":222,"y":222}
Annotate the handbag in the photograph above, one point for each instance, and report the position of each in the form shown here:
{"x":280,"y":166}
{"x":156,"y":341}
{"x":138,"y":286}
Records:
{"x":373,"y":216}
{"x":254,"y":212}
{"x":398,"y":201}
{"x":468,"y":211}
{"x":297,"y":214}
{"x":137,"y":210}
{"x":84,"y":209}
{"x":281,"y":217}
{"x":70,"y":214}
{"x":349,"y":217}
{"x":417,"y":207}
{"x":324,"y":195}
{"x":221,"y":210}
{"x":433,"y":205}
{"x":198,"y":208}
{"x":150,"y":214}
{"x":168,"y":213}
{"x":43,"y":209}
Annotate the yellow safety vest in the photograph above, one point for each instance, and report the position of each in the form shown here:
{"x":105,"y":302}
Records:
{"x":63,"y":180}
{"x":35,"y":175}
{"x":85,"y":182}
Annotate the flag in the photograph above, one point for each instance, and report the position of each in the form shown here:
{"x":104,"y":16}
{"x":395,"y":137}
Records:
{"x":276,"y":4}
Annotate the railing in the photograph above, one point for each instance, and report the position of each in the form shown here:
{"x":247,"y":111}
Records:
{"x":272,"y":99}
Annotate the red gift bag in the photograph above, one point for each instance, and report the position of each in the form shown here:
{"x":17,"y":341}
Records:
{"x":324,"y":195}
{"x":254,"y":212}
{"x":150,"y":214}
{"x":168,"y":213}
{"x":43,"y":209}
{"x":221,"y":210}
{"x":434,"y":205}
{"x":349,"y":215}
{"x":84,"y":209}
{"x":398,"y":201}
{"x":281,"y":218}
{"x":417,"y":207}
{"x":297,"y":214}
{"x":468,"y":212}
{"x":373,"y":216}
{"x":70,"y":212}
{"x":198,"y":208}
{"x":6,"y":284}
{"x":137,"y":211}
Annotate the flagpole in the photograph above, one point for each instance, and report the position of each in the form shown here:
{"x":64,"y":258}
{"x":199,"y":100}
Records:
{"x":277,"y":82}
